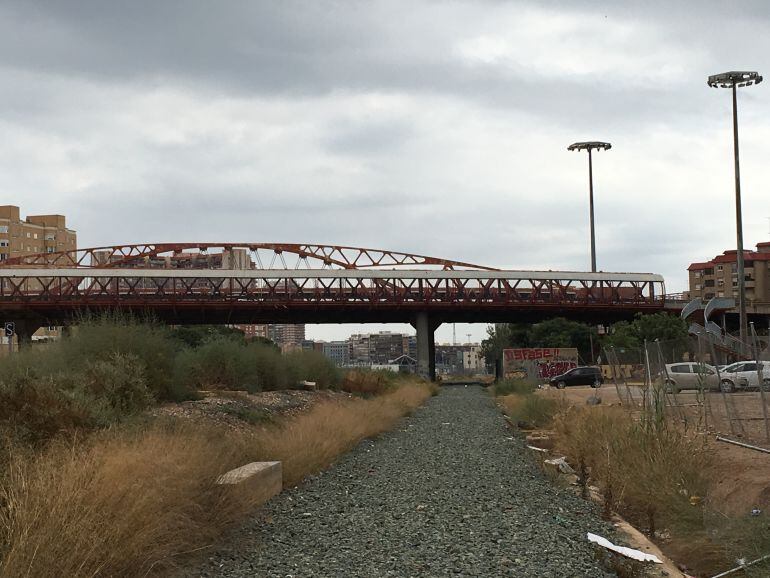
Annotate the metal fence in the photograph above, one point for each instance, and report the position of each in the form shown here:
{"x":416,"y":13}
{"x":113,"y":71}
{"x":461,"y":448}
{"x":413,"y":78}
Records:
{"x":708,"y":381}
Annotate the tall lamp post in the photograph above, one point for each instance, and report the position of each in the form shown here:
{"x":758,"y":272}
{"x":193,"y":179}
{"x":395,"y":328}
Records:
{"x":589,"y":146}
{"x":733,"y":80}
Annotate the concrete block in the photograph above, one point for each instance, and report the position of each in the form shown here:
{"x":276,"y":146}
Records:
{"x":262,"y":479}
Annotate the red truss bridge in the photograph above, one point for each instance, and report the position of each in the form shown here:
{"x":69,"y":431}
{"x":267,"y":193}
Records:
{"x":265,"y":282}
{"x":189,"y":283}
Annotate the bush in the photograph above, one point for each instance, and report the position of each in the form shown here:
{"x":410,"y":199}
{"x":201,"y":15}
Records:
{"x":648,"y":473}
{"x":219,"y":363}
{"x":311,"y":366}
{"x":270,"y":367}
{"x":513,"y":386}
{"x":366,"y":382}
{"x":37,"y":406}
{"x":121,"y":381}
{"x":100,"y":337}
{"x":534,"y":410}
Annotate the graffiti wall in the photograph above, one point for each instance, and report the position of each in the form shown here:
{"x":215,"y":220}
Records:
{"x":538,"y":364}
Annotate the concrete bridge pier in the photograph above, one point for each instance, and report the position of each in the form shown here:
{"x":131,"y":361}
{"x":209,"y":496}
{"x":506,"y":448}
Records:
{"x":25,"y":328}
{"x":426,"y":345}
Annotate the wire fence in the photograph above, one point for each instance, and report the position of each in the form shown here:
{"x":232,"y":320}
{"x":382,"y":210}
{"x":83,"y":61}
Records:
{"x":702,"y":382}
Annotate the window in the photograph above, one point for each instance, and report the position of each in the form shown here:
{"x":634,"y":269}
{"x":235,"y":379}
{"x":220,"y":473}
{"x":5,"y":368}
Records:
{"x":720,"y":293}
{"x":3,"y":243}
{"x":709,"y":271}
{"x":720,"y":267}
{"x":34,"y":235}
{"x":749,"y":367}
{"x":698,"y":274}
{"x":709,"y":283}
{"x":49,"y":249}
{"x":720,"y":282}
{"x":28,"y":234}
{"x":680,"y":369}
{"x":698,"y":286}
{"x":3,"y":228}
{"x":3,"y":256}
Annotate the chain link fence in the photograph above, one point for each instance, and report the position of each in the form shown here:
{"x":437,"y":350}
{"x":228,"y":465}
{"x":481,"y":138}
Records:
{"x":701,"y":381}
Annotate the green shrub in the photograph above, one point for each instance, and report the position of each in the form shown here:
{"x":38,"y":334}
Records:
{"x":270,"y":368}
{"x":100,"y":337}
{"x":513,"y":386}
{"x":121,"y":381}
{"x":218,"y":363}
{"x":311,"y":366}
{"x":534,"y":410}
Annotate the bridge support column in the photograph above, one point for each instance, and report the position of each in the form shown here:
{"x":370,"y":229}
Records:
{"x":24,"y":331}
{"x":426,"y":346}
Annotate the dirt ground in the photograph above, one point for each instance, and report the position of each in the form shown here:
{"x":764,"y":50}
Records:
{"x":742,"y":475}
{"x":240,"y":409}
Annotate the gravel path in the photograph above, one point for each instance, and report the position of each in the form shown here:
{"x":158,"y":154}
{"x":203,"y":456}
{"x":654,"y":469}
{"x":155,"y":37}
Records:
{"x":448,"y":492}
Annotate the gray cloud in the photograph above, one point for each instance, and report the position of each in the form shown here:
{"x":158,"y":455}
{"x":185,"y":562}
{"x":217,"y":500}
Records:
{"x":431,"y":127}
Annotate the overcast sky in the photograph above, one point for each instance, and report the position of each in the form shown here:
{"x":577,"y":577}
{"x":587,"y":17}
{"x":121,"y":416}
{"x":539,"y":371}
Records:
{"x":431,"y":127}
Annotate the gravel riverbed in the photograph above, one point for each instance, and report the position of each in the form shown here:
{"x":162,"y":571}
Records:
{"x":448,"y":492}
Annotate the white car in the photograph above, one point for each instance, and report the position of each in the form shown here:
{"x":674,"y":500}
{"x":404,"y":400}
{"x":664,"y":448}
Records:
{"x":744,"y":375}
{"x":690,"y":375}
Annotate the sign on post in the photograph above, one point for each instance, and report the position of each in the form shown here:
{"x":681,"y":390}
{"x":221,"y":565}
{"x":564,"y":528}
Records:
{"x":10,"y":328}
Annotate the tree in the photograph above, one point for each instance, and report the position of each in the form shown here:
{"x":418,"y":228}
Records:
{"x":669,"y":330}
{"x":502,"y":336}
{"x":560,"y":332}
{"x":195,"y":335}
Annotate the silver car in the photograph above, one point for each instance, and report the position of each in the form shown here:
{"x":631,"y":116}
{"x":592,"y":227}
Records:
{"x":745,"y":375}
{"x":690,"y":375}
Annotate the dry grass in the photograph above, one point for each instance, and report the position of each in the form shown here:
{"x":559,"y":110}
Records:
{"x":655,"y":476}
{"x":133,"y":503}
{"x":533,"y":410}
{"x":313,"y":440}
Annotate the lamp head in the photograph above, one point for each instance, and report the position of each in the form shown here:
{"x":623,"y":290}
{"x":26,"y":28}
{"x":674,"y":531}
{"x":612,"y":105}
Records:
{"x":590,"y":145}
{"x":734,"y":78}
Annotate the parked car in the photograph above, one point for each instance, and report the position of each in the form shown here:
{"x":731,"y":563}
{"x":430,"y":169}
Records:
{"x":579,"y":376}
{"x":744,"y":375}
{"x":690,"y":375}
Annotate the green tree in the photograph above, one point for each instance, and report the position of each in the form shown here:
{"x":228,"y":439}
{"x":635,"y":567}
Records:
{"x":502,"y":336}
{"x":560,"y":332}
{"x":670,"y":330}
{"x":196,"y":335}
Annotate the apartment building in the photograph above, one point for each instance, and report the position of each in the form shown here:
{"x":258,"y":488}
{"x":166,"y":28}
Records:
{"x":719,"y":276}
{"x":338,"y":352}
{"x":286,"y":334}
{"x":35,"y":234}
{"x":252,"y":330}
{"x":377,"y":348}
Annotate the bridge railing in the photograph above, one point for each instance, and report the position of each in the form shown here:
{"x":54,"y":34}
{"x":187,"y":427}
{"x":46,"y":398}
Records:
{"x":116,"y":286}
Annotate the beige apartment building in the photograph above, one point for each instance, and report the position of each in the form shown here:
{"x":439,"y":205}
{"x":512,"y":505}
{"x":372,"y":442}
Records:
{"x":719,"y":277}
{"x":35,"y":234}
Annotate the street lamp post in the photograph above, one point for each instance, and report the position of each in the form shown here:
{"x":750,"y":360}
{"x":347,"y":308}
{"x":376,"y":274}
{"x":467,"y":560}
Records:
{"x":589,"y":146}
{"x":733,"y":80}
